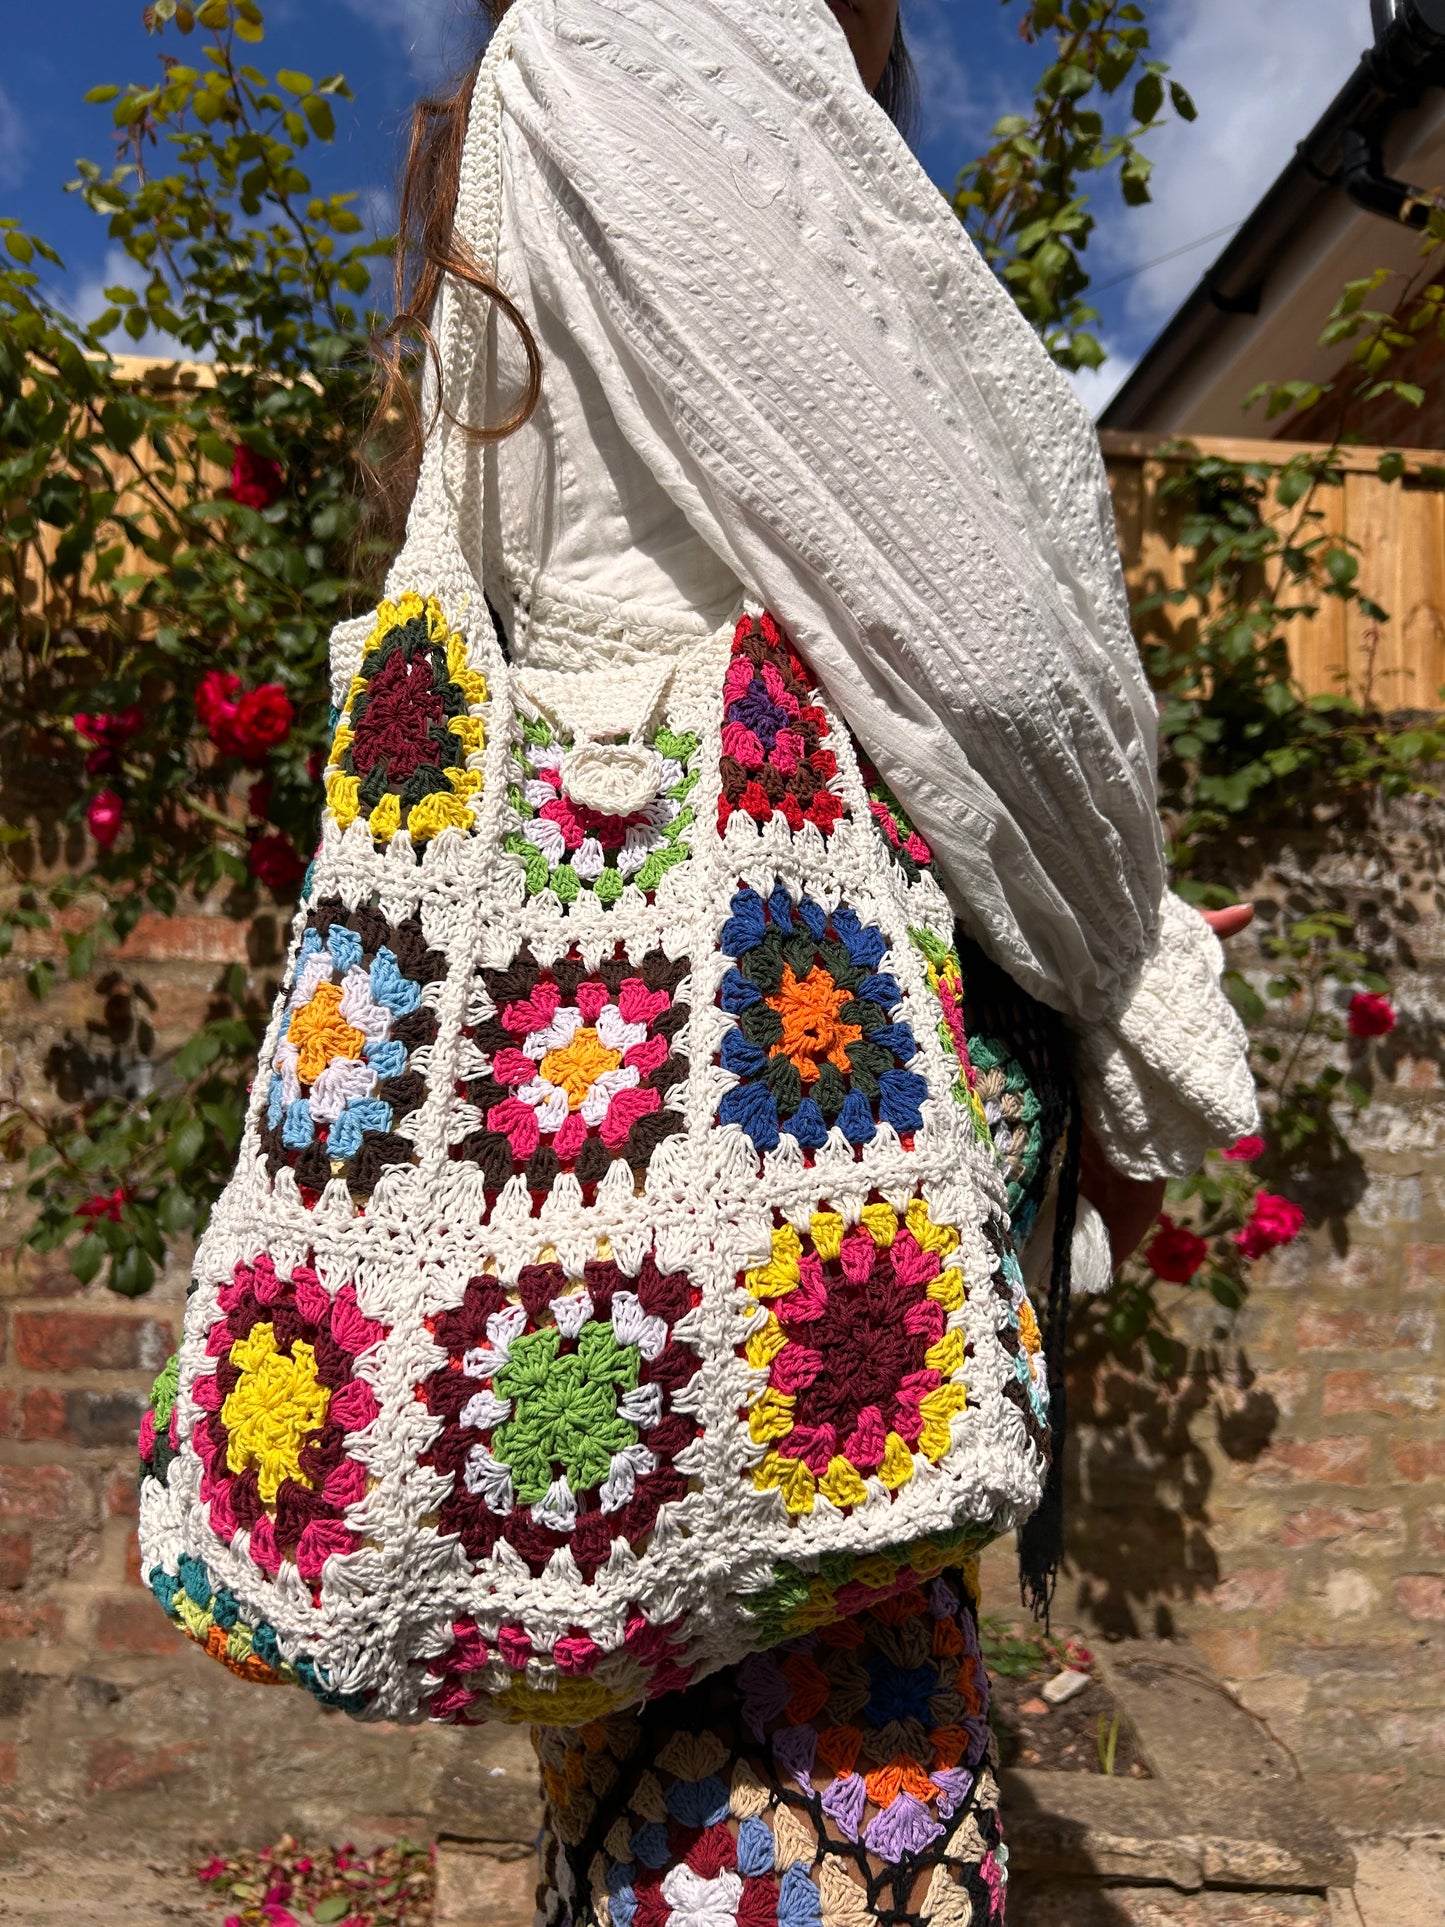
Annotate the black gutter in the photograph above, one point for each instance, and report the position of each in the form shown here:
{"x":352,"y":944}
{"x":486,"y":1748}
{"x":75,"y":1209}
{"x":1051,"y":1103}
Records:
{"x":1341,"y":150}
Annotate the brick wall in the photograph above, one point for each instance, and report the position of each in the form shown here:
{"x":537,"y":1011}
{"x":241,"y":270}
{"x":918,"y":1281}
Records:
{"x":1283,"y":1505}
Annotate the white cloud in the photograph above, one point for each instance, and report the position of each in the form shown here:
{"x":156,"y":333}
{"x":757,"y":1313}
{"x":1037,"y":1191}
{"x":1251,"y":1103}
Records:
{"x":440,"y":36}
{"x":89,"y":300}
{"x":1260,"y":75}
{"x":1097,"y":387}
{"x":12,"y":142}
{"x":953,"y":109}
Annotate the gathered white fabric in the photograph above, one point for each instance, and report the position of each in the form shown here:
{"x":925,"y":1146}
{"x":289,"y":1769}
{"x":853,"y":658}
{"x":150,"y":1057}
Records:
{"x":1168,"y":1078}
{"x":773,"y":359}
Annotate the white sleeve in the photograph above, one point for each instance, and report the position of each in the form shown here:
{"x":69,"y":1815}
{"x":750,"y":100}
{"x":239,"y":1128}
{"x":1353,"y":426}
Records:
{"x":1167,"y":1078}
{"x":795,"y":334}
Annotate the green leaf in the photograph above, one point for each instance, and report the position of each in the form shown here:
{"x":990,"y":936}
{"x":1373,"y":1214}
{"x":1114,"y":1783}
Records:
{"x":87,"y":1258}
{"x":1148,"y":98}
{"x":185,"y":1145}
{"x":335,"y":1907}
{"x":132,"y":1274}
{"x":38,"y":979}
{"x":294,"y":82}
{"x":318,"y":112}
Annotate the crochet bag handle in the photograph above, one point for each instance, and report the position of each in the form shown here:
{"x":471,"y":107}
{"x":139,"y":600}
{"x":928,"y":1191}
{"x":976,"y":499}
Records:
{"x":444,"y":525}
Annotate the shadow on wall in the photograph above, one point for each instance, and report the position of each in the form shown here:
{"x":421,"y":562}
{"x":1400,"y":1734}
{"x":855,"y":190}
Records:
{"x":1152,"y":1462}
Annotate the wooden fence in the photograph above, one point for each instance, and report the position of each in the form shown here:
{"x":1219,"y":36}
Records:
{"x":1399,"y":526}
{"x":1400,"y":530}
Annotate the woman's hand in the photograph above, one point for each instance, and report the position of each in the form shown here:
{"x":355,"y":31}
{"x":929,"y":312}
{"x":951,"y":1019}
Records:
{"x":1129,"y":1206}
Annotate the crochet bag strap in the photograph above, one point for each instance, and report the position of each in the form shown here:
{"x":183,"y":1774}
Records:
{"x":446,"y":521}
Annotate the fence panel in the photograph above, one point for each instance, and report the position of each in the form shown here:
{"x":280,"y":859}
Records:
{"x":1400,"y":529}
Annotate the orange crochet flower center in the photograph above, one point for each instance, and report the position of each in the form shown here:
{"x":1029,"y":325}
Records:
{"x":321,"y":1034}
{"x":577,"y":1065}
{"x":812,"y":1027}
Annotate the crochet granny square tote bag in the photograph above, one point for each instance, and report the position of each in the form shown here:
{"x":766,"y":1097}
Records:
{"x":616,"y":1278}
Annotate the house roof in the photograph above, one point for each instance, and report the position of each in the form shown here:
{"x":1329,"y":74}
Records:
{"x":1256,"y":313}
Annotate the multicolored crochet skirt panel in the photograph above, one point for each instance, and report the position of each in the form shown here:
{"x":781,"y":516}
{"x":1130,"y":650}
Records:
{"x":844,"y":1779}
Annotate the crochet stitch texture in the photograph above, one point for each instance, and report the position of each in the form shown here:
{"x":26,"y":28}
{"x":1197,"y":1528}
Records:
{"x":615,"y":1279}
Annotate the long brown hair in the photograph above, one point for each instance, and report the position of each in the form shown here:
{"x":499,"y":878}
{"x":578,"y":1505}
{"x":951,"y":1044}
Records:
{"x":427,"y":249}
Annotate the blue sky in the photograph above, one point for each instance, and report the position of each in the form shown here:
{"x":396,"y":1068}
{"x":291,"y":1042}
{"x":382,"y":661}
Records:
{"x":1260,"y":74}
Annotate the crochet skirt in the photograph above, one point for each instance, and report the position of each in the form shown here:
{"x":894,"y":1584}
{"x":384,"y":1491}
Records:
{"x":842,"y":1779}
{"x":846,"y":1777}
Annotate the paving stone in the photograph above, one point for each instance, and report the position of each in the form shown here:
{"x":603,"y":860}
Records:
{"x":1064,"y":1904}
{"x":479,"y":1889}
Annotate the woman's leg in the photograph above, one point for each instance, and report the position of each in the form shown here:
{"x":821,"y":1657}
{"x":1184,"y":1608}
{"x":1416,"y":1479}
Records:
{"x":841,"y":1779}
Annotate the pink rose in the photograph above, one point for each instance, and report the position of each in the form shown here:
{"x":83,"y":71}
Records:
{"x":1275,"y":1221}
{"x":105,"y":814}
{"x":1175,"y":1252}
{"x":1371,"y":1015}
{"x":1245,"y":1150}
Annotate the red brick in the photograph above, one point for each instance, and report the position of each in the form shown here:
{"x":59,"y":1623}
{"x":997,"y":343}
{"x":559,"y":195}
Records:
{"x":42,"y":1413}
{"x":39,"y":1492}
{"x":1287,"y":1389}
{"x":189,"y":939}
{"x":31,"y":1619}
{"x":132,"y":1559}
{"x":9,"y":1764}
{"x":14,"y":1560}
{"x":1397,"y":1395}
{"x":121,"y":1496}
{"x":43,"y":1274}
{"x":1424,"y":1267}
{"x":1432,"y":1531}
{"x":1339,"y":1461}
{"x":115,"y":1767}
{"x":1318,"y":1330}
{"x":1345,"y":1529}
{"x":1234,"y":1652}
{"x":1421,"y":1595}
{"x":73,"y":1341}
{"x":1253,"y":1589}
{"x":1418,"y":1460}
{"x":134,"y":1623}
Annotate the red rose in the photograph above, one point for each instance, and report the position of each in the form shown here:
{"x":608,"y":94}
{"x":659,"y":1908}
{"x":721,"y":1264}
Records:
{"x":256,"y":481}
{"x":1371,"y":1015}
{"x":1245,"y":1150}
{"x":258,"y":797}
{"x":109,"y":730}
{"x":275,"y":863}
{"x":105,"y":1207}
{"x":262,"y":719}
{"x":216,"y":706}
{"x":1175,"y":1252}
{"x":105,"y":814}
{"x":1275,"y":1221}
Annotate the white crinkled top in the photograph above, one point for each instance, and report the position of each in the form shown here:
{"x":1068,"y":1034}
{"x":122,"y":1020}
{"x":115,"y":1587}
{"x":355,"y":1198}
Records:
{"x":773,"y":361}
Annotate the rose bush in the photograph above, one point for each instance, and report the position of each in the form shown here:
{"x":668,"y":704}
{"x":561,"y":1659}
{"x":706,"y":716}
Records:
{"x":177,"y":556}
